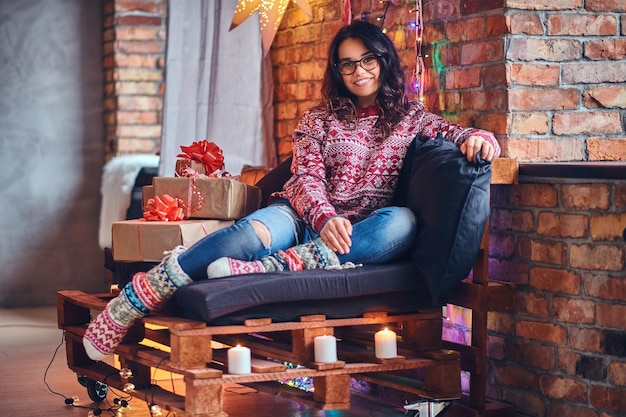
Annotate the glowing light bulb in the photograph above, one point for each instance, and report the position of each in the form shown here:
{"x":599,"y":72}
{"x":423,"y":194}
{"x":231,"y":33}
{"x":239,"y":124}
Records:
{"x":128,"y":387}
{"x":155,"y":410}
{"x":126,"y":373}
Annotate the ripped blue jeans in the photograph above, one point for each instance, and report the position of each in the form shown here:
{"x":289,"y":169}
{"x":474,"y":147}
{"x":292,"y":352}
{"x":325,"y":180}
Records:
{"x":380,"y":237}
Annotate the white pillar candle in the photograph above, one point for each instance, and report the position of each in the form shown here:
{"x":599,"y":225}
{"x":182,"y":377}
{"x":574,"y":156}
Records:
{"x":239,"y":360}
{"x":385,"y":344}
{"x":325,"y":349}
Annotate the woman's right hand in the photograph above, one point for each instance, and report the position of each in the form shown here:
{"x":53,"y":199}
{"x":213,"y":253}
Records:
{"x":336,"y":234}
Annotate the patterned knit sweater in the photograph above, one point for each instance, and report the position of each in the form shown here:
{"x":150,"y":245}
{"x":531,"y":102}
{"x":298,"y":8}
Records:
{"x":350,"y":170}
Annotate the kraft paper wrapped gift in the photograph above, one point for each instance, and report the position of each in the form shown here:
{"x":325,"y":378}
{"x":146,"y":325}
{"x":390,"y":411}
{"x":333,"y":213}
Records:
{"x":145,"y":241}
{"x":147,"y":192}
{"x":186,"y":166}
{"x":210,"y":198}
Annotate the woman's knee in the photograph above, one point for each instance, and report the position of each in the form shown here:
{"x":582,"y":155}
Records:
{"x":262,"y":232}
{"x":399,"y":221}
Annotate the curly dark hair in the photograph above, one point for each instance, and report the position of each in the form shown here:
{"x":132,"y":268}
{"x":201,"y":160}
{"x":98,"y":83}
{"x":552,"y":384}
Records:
{"x":391,"y":97}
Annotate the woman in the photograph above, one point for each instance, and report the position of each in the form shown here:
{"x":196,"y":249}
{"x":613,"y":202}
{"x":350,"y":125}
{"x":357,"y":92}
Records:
{"x":335,"y":209}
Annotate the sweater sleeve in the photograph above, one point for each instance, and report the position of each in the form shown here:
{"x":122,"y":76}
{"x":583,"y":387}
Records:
{"x":431,"y":124}
{"x":306,"y":189}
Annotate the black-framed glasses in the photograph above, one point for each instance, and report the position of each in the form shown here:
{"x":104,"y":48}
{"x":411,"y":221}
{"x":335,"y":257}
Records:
{"x":368,"y":63}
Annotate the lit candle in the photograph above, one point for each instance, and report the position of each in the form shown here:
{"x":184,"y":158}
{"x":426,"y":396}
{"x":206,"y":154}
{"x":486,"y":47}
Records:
{"x":239,"y":360}
{"x":385,"y":344}
{"x":325,"y":349}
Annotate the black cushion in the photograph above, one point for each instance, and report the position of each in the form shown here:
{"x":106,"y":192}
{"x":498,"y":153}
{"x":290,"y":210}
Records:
{"x":450,"y":198}
{"x":285,"y":296}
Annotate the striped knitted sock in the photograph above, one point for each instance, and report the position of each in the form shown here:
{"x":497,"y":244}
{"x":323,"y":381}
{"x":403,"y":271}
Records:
{"x":148,"y":291}
{"x":311,"y":255}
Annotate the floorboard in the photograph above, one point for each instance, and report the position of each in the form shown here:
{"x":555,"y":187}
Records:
{"x":29,"y":338}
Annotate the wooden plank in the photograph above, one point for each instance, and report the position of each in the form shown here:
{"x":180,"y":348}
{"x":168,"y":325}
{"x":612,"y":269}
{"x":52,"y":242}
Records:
{"x":174,"y":324}
{"x":257,"y":322}
{"x":68,"y":313}
{"x":471,"y":361}
{"x":332,"y":389}
{"x":501,"y":296}
{"x":350,"y":368}
{"x":295,"y":394}
{"x":504,"y":171}
{"x":202,"y":399}
{"x":274,"y":327}
{"x":400,"y":383}
{"x":82,"y":299}
{"x":191,"y":351}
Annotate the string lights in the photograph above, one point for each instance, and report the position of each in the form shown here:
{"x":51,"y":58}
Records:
{"x":419,"y":65}
{"x":121,"y":402}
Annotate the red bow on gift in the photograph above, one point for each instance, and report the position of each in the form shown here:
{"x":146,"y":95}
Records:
{"x":163,"y":208}
{"x":206,"y":152}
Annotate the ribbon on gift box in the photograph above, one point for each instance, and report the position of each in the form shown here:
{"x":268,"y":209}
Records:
{"x":191,"y":191}
{"x":205,"y":152}
{"x":164,"y":208}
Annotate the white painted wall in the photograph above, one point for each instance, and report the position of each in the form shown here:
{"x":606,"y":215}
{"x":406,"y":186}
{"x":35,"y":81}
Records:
{"x":51,"y":149}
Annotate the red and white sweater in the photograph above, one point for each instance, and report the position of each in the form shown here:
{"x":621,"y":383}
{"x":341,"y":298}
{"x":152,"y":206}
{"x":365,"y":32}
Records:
{"x":351,"y":170}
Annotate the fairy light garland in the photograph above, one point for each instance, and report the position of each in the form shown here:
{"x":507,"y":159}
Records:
{"x":419,"y":65}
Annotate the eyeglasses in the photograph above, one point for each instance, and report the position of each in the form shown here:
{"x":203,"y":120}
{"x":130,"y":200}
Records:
{"x":368,"y":63}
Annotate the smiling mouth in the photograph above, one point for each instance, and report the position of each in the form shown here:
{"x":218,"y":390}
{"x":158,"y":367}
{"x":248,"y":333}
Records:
{"x":362,"y":82}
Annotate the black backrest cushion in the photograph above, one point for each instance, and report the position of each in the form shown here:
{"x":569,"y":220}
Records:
{"x":450,"y":198}
{"x":274,"y":180}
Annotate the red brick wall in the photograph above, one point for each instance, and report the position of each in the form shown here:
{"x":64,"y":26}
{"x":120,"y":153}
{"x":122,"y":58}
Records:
{"x":562,"y":351}
{"x":566,"y":66}
{"x":133,"y":60}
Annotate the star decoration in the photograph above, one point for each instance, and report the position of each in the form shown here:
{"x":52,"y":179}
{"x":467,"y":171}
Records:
{"x":270,"y":15}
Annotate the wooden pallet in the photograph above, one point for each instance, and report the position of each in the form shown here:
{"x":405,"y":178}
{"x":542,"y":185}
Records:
{"x":197,"y":352}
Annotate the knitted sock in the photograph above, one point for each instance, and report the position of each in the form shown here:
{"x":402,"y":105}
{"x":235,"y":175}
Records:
{"x":148,"y":291}
{"x":311,"y":255}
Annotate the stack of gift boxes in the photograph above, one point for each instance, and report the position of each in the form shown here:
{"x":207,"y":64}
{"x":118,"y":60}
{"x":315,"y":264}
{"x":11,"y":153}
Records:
{"x":180,"y":210}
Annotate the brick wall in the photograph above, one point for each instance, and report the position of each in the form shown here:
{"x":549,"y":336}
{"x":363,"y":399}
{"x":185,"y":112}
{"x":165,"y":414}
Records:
{"x":562,"y":351}
{"x":566,"y":65}
{"x":133,"y":60}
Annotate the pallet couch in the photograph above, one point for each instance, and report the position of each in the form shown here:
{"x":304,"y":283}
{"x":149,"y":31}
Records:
{"x":278,"y":315}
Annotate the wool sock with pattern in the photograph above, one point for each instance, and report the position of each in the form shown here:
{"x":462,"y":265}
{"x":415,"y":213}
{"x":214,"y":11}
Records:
{"x":311,"y":255}
{"x":147,"y":291}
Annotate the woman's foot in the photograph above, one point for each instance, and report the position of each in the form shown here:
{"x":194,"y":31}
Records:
{"x":148,"y":291}
{"x":311,"y":255}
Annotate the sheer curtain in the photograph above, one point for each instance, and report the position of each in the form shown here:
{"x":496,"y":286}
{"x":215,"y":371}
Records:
{"x":218,"y":86}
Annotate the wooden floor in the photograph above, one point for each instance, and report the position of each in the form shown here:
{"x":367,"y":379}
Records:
{"x":28,"y":340}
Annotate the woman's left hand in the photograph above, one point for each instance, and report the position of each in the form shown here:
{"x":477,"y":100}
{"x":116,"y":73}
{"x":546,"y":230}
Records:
{"x":475,"y":145}
{"x":336,"y":234}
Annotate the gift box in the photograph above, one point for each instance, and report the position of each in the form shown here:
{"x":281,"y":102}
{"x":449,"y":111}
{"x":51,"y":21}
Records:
{"x":147,"y":192}
{"x":200,"y":158}
{"x":210,"y":198}
{"x":189,"y":167}
{"x":145,"y":241}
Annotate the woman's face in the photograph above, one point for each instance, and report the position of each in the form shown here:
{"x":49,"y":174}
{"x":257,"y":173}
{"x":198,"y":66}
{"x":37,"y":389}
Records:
{"x":362,"y":83}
